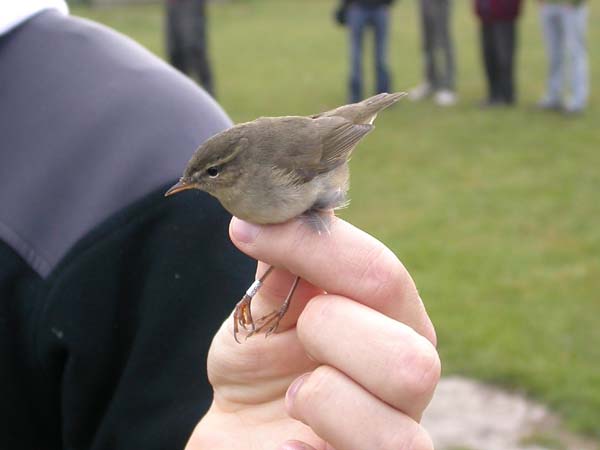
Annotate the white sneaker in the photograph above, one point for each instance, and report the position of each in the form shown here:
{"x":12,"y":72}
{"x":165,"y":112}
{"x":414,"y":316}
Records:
{"x":549,"y":104}
{"x":420,"y":92}
{"x":572,"y":110}
{"x":445,"y":98}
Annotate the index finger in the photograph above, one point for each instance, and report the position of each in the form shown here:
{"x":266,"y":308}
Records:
{"x":347,"y":262}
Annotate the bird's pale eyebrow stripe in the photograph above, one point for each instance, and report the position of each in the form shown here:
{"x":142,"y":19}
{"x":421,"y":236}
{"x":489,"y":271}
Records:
{"x":237,"y":149}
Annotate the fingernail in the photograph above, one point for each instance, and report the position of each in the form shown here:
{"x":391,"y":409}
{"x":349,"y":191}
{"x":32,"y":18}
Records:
{"x":292,"y":391}
{"x":244,"y":231}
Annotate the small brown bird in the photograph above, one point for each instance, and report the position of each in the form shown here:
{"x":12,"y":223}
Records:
{"x":273,"y":169}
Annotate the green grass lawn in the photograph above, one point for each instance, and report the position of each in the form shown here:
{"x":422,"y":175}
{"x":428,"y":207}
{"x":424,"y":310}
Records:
{"x":495,"y":213}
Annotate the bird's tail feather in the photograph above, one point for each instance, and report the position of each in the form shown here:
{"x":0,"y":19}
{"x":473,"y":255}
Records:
{"x":381,"y":101}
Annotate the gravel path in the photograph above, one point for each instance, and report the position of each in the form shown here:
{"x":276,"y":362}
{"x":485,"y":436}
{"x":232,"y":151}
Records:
{"x":468,"y":415}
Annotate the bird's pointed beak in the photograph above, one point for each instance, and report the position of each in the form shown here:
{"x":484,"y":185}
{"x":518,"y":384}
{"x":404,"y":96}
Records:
{"x":181,"y":185}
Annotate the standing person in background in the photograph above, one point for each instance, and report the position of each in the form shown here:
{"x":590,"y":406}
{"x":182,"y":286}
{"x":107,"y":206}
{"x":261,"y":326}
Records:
{"x":498,"y":43}
{"x":186,"y":40}
{"x":564,"y":24}
{"x":358,"y":15}
{"x":438,"y":54}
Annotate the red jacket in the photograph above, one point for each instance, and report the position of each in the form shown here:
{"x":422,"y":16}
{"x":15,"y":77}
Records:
{"x":497,"y":10}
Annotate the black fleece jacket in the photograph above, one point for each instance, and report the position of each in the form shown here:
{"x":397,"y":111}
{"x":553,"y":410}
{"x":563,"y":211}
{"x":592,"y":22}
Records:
{"x":109,"y":292}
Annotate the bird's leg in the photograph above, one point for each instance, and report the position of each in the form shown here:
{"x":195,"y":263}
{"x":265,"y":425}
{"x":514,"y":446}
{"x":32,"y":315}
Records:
{"x":275,"y":317}
{"x":242,"y":315}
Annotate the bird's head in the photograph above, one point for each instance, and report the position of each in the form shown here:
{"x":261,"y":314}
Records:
{"x":216,"y":165}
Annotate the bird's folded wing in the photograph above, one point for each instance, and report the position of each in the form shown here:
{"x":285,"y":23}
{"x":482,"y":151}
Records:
{"x":325,"y":144}
{"x":338,"y":138}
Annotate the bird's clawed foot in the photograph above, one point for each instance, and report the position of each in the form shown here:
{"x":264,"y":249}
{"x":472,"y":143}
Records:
{"x":270,"y":322}
{"x":271,"y":319}
{"x":242,"y":315}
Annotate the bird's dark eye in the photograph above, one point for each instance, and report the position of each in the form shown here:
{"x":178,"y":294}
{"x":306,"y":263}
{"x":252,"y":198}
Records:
{"x":213,"y":171}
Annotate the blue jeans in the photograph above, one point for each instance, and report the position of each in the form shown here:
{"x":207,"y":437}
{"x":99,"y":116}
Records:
{"x":564,"y":33}
{"x":359,"y":17}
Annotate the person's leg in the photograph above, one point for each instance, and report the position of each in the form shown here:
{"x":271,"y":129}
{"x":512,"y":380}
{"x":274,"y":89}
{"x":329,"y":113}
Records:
{"x":426,"y":87}
{"x":575,"y":37}
{"x":488,"y":52}
{"x":506,"y":44}
{"x":444,"y":56}
{"x":553,"y":38}
{"x":174,"y":45}
{"x":444,"y":45}
{"x":187,"y":26}
{"x":199,"y":51}
{"x":356,"y":23}
{"x":380,"y":19}
{"x":428,"y":34}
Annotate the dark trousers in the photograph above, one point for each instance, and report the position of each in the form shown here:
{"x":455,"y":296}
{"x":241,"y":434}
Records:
{"x":438,"y":50}
{"x":359,"y":18}
{"x":186,"y":40}
{"x":498,"y":41}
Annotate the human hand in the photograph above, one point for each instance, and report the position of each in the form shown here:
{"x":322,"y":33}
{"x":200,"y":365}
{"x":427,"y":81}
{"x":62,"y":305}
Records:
{"x":353,"y":364}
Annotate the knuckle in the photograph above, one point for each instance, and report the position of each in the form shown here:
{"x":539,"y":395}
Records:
{"x":429,"y":369}
{"x":421,"y":440}
{"x":412,"y":437}
{"x":316,"y":314}
{"x":317,"y":388}
{"x":420,"y":371}
{"x":382,"y":274}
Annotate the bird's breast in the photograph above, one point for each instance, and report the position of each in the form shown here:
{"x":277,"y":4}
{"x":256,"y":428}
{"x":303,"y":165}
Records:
{"x":272,"y":199}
